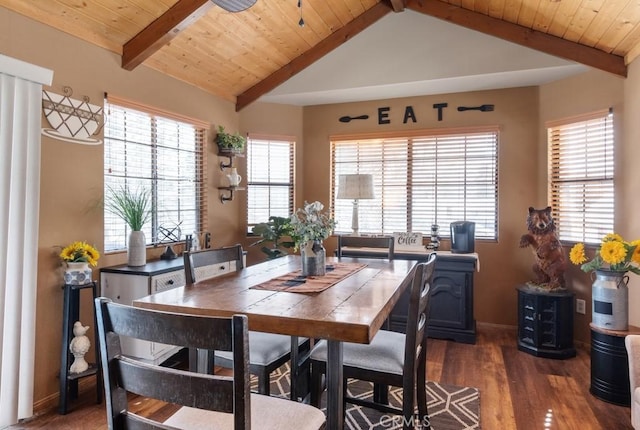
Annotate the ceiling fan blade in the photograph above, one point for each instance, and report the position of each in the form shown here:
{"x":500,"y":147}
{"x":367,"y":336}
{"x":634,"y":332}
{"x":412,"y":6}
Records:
{"x":234,"y":5}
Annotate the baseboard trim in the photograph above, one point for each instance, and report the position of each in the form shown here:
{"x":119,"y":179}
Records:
{"x":86,"y":386}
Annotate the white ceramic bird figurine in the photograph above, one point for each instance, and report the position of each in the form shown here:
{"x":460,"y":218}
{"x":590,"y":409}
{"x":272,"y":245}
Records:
{"x":79,"y":346}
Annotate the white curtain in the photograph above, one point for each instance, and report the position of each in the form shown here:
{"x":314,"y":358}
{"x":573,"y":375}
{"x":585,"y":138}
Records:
{"x":20,"y":115}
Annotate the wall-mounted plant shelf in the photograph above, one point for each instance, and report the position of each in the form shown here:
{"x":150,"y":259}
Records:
{"x":226,"y":193}
{"x":230,"y":155}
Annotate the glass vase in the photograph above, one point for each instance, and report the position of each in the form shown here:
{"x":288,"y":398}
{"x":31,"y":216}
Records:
{"x":313,"y":258}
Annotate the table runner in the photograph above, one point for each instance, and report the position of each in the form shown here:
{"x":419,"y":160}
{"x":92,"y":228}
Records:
{"x":294,"y":282}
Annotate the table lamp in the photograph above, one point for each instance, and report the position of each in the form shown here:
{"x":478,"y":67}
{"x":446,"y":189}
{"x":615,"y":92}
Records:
{"x":356,"y":187}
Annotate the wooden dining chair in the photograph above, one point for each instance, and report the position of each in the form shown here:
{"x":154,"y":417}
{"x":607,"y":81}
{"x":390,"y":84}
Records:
{"x":365,"y":246}
{"x":391,"y":358}
{"x":267,"y":351}
{"x":208,"y":263}
{"x":203,"y":400}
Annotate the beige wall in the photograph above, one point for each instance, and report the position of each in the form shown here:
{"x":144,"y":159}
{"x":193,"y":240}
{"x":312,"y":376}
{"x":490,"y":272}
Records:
{"x":72,"y":174}
{"x":503,"y":264}
{"x":273,"y":120}
{"x":628,"y":202}
{"x":585,"y":93}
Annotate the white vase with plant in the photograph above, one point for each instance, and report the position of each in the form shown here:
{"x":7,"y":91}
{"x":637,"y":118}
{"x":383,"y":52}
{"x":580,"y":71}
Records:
{"x":134,"y":208}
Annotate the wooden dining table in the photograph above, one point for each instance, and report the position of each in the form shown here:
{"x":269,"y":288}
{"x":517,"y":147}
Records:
{"x":351,"y":310}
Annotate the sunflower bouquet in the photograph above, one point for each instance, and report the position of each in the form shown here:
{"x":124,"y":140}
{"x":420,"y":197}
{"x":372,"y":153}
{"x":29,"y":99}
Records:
{"x":614,"y":254}
{"x":80,"y":252}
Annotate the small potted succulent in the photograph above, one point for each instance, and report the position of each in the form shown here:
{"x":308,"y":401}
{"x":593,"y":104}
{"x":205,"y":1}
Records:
{"x":229,"y":143}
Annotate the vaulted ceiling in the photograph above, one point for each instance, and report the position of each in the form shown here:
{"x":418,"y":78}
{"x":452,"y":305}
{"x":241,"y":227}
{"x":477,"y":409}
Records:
{"x":244,"y":55}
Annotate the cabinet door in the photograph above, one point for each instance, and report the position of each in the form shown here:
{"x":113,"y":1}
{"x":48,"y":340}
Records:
{"x":448,"y":300}
{"x":163,"y":282}
{"x":556,"y":322}
{"x":124,"y":289}
{"x":548,"y":313}
{"x":528,"y":318}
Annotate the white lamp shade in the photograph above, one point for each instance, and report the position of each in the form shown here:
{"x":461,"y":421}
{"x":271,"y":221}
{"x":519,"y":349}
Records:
{"x":355,"y":186}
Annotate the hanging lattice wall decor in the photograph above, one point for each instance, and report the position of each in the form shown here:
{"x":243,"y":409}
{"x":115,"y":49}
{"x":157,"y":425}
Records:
{"x":72,"y":120}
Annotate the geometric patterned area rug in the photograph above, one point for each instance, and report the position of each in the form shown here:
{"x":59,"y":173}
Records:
{"x":450,"y":407}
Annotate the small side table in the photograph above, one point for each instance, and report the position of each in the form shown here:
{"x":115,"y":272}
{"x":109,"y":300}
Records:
{"x":71,"y":313}
{"x":610,"y":365}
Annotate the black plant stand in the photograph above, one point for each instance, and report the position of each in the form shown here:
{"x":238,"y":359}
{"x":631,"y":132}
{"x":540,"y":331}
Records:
{"x":71,"y":314}
{"x":610,"y":364}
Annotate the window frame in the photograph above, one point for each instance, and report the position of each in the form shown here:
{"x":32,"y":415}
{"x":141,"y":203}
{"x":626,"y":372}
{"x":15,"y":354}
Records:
{"x":269,"y":139}
{"x":586,"y":215}
{"x":199,"y":180}
{"x":490,"y":227}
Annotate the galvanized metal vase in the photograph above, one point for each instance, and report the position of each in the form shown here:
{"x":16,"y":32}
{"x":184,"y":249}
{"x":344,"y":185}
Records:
{"x":610,"y":300}
{"x":313,"y":258}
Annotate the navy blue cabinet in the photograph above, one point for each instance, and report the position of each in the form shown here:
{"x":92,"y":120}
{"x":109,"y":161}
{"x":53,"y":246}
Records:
{"x":545,"y":322}
{"x":451,"y":302}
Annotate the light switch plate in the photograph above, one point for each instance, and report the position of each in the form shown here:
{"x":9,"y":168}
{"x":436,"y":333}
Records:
{"x":580,"y":306}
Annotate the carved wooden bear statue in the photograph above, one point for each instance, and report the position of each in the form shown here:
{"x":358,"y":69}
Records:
{"x":550,"y":262}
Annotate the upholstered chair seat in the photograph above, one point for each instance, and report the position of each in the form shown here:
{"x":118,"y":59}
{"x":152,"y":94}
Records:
{"x":267,"y":413}
{"x":387,"y":347}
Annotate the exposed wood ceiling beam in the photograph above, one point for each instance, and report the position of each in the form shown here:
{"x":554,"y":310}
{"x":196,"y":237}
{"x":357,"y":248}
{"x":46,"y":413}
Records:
{"x":162,"y":30}
{"x":398,"y":5}
{"x":522,"y":35}
{"x":312,"y":55}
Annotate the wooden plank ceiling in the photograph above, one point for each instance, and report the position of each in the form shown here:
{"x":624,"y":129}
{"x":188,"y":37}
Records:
{"x":240,"y":56}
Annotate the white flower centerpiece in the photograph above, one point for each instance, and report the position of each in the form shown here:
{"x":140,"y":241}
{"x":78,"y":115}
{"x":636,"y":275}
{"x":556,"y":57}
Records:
{"x":310,"y":226}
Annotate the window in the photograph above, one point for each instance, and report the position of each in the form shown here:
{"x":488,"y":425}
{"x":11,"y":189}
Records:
{"x":160,"y":152}
{"x":426,"y":178}
{"x":581,"y":176}
{"x":269,"y":178}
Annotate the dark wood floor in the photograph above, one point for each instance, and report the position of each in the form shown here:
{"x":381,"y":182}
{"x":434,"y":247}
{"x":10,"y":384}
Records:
{"x":517,"y":390}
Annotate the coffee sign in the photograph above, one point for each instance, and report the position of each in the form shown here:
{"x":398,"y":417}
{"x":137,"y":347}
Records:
{"x":407,"y":241}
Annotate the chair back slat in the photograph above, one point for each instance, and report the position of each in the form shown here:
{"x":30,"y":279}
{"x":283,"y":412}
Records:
{"x":196,"y":390}
{"x":124,"y":374}
{"x":178,"y":329}
{"x":201,"y":265}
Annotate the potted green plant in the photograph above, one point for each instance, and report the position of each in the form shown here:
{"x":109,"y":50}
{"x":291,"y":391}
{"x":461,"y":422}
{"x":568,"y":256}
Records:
{"x":134,"y":208}
{"x":229,"y":143}
{"x":272,"y":232}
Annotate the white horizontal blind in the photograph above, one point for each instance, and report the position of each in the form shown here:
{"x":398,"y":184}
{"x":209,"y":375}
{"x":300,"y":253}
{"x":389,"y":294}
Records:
{"x":421,"y":180}
{"x":270,"y":167}
{"x":144,"y":150}
{"x":581,"y":175}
